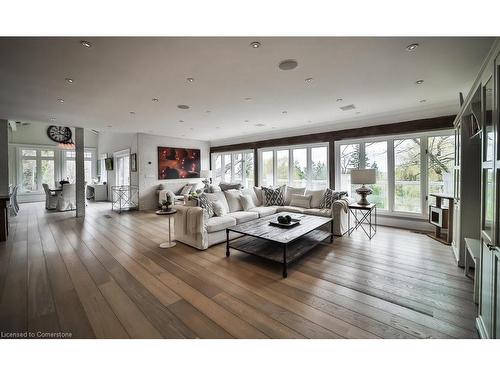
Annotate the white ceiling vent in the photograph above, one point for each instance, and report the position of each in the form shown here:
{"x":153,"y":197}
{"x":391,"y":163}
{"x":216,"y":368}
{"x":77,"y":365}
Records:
{"x":349,"y":107}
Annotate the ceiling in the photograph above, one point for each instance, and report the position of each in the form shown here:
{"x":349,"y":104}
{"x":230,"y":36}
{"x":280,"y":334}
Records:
{"x":235,"y":86}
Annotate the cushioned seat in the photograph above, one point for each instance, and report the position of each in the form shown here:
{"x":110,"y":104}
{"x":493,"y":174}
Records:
{"x":264,"y":211}
{"x":243,"y":216}
{"x":298,"y":210}
{"x":217,"y":223}
{"x":326,"y":212}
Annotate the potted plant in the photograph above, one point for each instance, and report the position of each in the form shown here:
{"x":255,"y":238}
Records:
{"x":166,"y":204}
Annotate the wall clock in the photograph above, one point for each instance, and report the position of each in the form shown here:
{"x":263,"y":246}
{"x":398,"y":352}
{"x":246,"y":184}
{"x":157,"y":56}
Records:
{"x":59,"y":134}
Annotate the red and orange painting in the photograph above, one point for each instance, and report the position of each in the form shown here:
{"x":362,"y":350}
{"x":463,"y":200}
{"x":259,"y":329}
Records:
{"x":176,"y":163}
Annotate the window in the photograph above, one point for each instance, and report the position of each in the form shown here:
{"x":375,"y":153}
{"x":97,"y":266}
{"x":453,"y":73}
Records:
{"x":69,"y":166}
{"x":298,"y":166}
{"x":376,"y":158}
{"x":122,"y":168}
{"x":407,"y":174}
{"x":233,"y":167}
{"x":404,"y":176}
{"x":267,"y":169}
{"x":319,"y":168}
{"x":37,"y":168}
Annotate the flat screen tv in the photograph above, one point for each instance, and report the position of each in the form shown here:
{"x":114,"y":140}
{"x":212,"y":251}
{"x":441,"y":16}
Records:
{"x":178,"y":163}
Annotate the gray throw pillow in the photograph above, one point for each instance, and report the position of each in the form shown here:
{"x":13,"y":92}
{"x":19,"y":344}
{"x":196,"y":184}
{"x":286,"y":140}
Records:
{"x":227,"y":186}
{"x":331,"y":196}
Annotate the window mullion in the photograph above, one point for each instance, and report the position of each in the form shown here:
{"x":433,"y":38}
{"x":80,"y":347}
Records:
{"x":390,"y":175}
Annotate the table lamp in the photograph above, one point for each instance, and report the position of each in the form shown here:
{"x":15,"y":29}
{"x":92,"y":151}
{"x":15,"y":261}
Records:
{"x":362,"y":177}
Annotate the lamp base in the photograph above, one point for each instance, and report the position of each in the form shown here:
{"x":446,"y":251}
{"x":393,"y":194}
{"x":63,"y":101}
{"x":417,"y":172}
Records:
{"x":363,"y":191}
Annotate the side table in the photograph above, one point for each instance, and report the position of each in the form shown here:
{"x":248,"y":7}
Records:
{"x":365,"y":217}
{"x":170,"y":243}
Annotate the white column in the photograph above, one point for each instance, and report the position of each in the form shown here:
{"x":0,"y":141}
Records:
{"x":80,"y":172}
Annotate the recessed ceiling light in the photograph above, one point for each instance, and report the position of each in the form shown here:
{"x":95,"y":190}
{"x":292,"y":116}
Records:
{"x":339,"y":99}
{"x":156,"y":100}
{"x":69,"y":80}
{"x":412,"y":47}
{"x":132,"y":112}
{"x":255,"y":44}
{"x":246,"y":120}
{"x":190,"y":80}
{"x":248,"y":99}
{"x":60,"y":100}
{"x":183,"y":106}
{"x":260,"y":125}
{"x":85,"y":43}
{"x":308,"y":80}
{"x":288,"y":64}
{"x":423,"y":101}
{"x":208,"y":111}
{"x":284,"y":112}
{"x":419,"y":82}
{"x":181,"y":120}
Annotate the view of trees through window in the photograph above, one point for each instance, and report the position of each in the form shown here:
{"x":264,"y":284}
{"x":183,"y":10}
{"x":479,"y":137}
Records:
{"x":233,"y":167}
{"x":402,"y":157}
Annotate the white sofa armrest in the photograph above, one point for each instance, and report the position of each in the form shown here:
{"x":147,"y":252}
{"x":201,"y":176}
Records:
{"x":190,"y":226}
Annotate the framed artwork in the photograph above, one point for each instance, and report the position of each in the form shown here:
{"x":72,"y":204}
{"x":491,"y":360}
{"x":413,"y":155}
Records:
{"x":108,"y":163}
{"x":133,"y":162}
{"x":178,"y":163}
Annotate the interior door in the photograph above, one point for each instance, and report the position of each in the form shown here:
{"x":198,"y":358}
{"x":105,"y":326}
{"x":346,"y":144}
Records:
{"x":486,"y":321}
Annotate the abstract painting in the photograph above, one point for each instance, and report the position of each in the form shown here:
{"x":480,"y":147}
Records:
{"x":175,"y":163}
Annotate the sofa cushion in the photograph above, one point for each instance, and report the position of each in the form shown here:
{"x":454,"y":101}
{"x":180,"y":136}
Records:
{"x":316,"y":196}
{"x":233,"y":200}
{"x":218,"y":196}
{"x":273,"y":196}
{"x":303,"y":201}
{"x":258,"y":194}
{"x":217,"y":223}
{"x":250,"y":191}
{"x":227,"y":186}
{"x":290,"y":191}
{"x":243,"y":216}
{"x":246,"y":202}
{"x":325,"y":212}
{"x":298,"y":210}
{"x":264,"y":210}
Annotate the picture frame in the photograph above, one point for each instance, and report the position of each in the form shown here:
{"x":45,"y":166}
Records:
{"x":133,"y":162}
{"x":178,"y":163}
{"x":108,"y":163}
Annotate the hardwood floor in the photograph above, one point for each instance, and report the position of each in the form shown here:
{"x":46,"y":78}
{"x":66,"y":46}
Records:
{"x":106,"y":277}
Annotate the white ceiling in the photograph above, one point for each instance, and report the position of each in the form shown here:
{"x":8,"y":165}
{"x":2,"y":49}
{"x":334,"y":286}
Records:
{"x":119,"y":75}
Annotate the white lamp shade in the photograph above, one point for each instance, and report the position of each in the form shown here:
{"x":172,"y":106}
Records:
{"x":363,"y":176}
{"x":206,"y":174}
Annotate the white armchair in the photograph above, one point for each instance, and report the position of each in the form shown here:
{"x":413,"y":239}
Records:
{"x":50,"y":198}
{"x":66,"y":199}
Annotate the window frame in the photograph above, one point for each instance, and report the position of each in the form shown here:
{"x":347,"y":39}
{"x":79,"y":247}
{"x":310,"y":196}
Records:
{"x":290,"y":149}
{"x":232,"y":154}
{"x":424,"y":183}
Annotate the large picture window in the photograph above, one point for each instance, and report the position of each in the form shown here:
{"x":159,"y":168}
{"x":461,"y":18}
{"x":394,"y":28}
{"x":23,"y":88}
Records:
{"x":234,"y":167}
{"x":408,"y":169}
{"x":297,"y":166}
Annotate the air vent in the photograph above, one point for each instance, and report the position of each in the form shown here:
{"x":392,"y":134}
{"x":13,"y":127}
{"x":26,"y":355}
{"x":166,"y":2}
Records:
{"x":349,"y":107}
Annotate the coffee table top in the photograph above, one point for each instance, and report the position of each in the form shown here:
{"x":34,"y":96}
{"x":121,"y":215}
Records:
{"x":261,"y":228}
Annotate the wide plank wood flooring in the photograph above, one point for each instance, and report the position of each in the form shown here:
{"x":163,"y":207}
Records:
{"x":106,"y":277}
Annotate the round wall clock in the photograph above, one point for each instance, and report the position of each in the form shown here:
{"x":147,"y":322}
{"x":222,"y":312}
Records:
{"x":59,"y":134}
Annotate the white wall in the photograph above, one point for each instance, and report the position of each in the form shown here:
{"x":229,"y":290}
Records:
{"x":111,"y":142}
{"x":36,"y":134}
{"x":147,"y":161}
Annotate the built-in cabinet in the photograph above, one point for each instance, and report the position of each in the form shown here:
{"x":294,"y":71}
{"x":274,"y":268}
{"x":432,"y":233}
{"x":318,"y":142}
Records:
{"x":477,"y":176}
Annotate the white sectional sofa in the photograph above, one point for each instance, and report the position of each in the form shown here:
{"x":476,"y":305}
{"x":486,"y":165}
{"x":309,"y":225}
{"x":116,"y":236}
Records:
{"x":193,"y":228}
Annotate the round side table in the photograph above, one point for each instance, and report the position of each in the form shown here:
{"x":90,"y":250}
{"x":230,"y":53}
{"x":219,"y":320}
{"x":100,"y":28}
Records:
{"x":170,"y":243}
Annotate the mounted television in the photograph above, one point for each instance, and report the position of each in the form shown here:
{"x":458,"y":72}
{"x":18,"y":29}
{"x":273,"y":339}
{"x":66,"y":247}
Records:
{"x":178,"y":163}
{"x":108,"y":162}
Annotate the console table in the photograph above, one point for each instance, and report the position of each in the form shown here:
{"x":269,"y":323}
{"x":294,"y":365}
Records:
{"x":442,"y":218}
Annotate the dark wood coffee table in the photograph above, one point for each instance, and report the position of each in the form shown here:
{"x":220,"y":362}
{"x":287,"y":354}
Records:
{"x":281,"y":245}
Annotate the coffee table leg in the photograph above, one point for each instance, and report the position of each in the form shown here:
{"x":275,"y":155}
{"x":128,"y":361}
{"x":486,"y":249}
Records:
{"x":227,"y":242}
{"x":285,"y":273}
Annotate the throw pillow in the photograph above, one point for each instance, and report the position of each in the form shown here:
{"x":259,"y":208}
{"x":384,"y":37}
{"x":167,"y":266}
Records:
{"x":185,"y":190}
{"x":247,"y":202}
{"x":258,"y":194}
{"x":316,"y":196}
{"x":273,"y":196}
{"x":290,"y":191}
{"x":331,"y":196}
{"x":225,"y":186}
{"x":206,"y":205}
{"x":303,"y":201}
{"x":218,"y":197}
{"x":251,"y":192}
{"x":219,"y":209}
{"x":233,"y":200}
